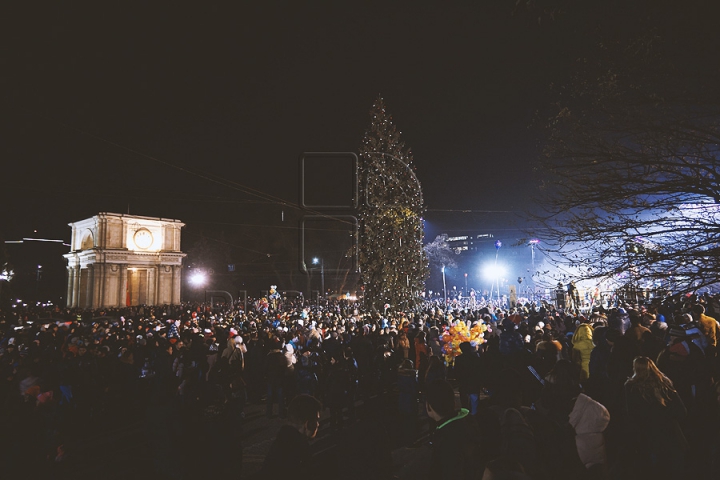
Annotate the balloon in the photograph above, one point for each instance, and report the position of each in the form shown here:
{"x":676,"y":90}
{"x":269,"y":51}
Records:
{"x":460,"y":332}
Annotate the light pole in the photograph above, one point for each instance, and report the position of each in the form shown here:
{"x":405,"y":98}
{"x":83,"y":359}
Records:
{"x":444,"y":287}
{"x":315,"y":261}
{"x":498,"y":244}
{"x":37,"y":282}
{"x":532,"y":244}
{"x":466,"y":289}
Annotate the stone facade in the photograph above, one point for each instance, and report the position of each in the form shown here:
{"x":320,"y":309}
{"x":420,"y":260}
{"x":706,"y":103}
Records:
{"x":119,"y":260}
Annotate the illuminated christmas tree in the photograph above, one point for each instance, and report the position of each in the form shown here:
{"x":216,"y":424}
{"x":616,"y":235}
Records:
{"x":393,"y":263}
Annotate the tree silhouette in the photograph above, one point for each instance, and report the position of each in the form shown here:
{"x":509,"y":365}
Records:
{"x":631,"y":171}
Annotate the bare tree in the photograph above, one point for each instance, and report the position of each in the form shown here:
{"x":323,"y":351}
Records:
{"x":631,"y":170}
{"x":439,"y":252}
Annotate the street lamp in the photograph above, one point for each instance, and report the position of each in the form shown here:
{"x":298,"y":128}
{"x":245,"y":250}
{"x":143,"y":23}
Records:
{"x":37,"y":280}
{"x":315,"y":261}
{"x":198,"y":279}
{"x":532,"y":244}
{"x":466,"y":289}
{"x":444,"y":286}
{"x":498,"y":244}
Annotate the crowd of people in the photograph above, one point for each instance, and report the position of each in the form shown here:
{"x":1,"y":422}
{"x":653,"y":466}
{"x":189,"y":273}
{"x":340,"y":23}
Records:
{"x":627,"y":391}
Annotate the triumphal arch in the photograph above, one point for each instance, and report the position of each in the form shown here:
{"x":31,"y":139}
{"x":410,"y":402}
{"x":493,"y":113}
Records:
{"x":120,"y":260}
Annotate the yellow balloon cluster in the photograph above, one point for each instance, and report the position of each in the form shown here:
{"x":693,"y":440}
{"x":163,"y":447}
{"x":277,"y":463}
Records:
{"x":459,"y":333}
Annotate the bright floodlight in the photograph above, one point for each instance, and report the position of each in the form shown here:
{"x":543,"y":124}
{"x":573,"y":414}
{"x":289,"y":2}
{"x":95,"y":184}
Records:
{"x":316,"y":261}
{"x":493,"y":271}
{"x":197,"y":279}
{"x":534,"y":241}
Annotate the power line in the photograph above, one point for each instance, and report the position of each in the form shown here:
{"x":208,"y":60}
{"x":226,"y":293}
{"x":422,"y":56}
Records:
{"x":466,"y":210}
{"x":211,"y":178}
{"x":290,"y":227}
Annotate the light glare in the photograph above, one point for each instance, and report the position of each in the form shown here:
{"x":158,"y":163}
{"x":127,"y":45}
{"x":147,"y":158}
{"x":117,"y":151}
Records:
{"x":198,"y":279}
{"x":493,"y":271}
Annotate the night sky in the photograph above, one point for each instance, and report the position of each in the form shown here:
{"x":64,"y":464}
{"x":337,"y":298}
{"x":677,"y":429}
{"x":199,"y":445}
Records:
{"x":177,"y":112}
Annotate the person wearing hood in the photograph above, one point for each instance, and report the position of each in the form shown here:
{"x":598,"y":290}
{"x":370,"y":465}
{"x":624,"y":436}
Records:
{"x":590,"y":419}
{"x":583,"y":346}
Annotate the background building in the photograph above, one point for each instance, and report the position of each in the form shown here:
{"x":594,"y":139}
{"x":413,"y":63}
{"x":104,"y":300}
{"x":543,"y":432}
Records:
{"x":119,"y":260}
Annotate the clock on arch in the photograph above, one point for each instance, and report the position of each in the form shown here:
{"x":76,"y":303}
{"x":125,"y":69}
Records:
{"x":143,"y":239}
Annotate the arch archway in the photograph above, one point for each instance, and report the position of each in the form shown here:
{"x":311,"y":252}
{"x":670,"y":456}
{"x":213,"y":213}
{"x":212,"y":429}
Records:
{"x":88,"y":241}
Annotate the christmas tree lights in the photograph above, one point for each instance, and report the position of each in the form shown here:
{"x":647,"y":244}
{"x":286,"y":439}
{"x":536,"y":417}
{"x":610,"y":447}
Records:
{"x":393,"y":263}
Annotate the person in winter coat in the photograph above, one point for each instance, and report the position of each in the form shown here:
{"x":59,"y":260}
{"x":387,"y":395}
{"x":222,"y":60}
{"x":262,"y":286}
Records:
{"x":422,"y":353}
{"x":590,"y":419}
{"x":511,"y":342}
{"x":456,"y":452}
{"x":637,"y":329}
{"x":619,"y":320}
{"x":403,"y":344}
{"x":436,"y":369}
{"x":275,"y":372}
{"x":434,"y":342}
{"x":708,"y":325}
{"x":234,"y":353}
{"x":683,"y":362}
{"x":341,"y":384}
{"x":468,"y":371}
{"x":655,"y":411}
{"x":211,"y":359}
{"x":582,"y":347}
{"x":408,"y":386}
{"x":598,"y":384}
